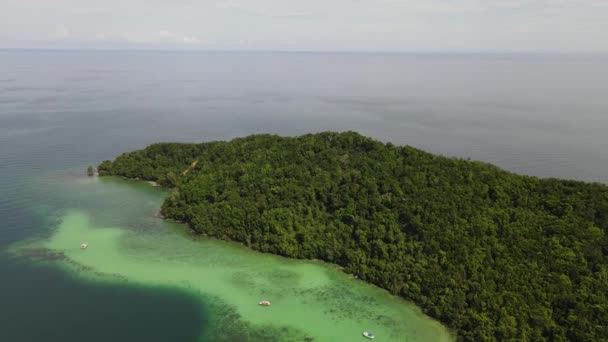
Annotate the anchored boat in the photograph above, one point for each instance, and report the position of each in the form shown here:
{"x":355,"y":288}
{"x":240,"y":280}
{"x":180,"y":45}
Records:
{"x":264,"y":303}
{"x":84,"y":245}
{"x":369,"y":335}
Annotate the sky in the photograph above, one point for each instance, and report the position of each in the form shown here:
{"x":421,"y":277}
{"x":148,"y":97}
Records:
{"x":339,"y":25}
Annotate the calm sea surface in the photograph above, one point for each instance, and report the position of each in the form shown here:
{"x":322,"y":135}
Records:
{"x":542,"y":115}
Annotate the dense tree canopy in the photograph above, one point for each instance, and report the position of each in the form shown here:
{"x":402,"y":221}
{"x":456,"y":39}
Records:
{"x":493,"y":255}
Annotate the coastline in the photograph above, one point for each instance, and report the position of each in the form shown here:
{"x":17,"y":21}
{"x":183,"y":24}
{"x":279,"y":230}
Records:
{"x":290,"y":196}
{"x":153,"y":257}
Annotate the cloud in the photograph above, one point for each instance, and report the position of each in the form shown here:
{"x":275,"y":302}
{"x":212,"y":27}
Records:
{"x":92,"y":11}
{"x":161,"y":37}
{"x":460,"y":6}
{"x":60,"y":32}
{"x":439,"y":6}
{"x":169,"y":37}
{"x":261,"y":10}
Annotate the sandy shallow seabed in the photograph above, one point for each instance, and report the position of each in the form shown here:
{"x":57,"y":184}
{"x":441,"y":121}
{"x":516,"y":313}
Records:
{"x":310,"y":300}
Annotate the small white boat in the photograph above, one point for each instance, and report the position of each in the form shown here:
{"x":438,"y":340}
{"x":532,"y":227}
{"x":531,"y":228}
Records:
{"x":369,"y":335}
{"x":84,"y":245}
{"x":264,"y":303}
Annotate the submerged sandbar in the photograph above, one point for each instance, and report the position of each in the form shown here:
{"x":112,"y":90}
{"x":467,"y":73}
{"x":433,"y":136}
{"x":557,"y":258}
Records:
{"x":310,"y":300}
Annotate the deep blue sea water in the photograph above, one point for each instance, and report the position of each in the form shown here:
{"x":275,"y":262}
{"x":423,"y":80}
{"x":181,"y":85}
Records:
{"x":543,"y":115}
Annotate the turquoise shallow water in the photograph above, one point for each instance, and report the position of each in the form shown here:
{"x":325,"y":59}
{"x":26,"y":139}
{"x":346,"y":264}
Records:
{"x":42,"y":302}
{"x":128,"y":244}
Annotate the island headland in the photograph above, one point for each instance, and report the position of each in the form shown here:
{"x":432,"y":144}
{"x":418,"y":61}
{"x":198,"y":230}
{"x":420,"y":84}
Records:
{"x":491,"y":254}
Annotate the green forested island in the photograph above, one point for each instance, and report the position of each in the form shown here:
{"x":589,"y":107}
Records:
{"x":493,"y":255}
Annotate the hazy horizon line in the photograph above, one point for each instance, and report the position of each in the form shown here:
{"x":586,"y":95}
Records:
{"x":346,"y":51}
